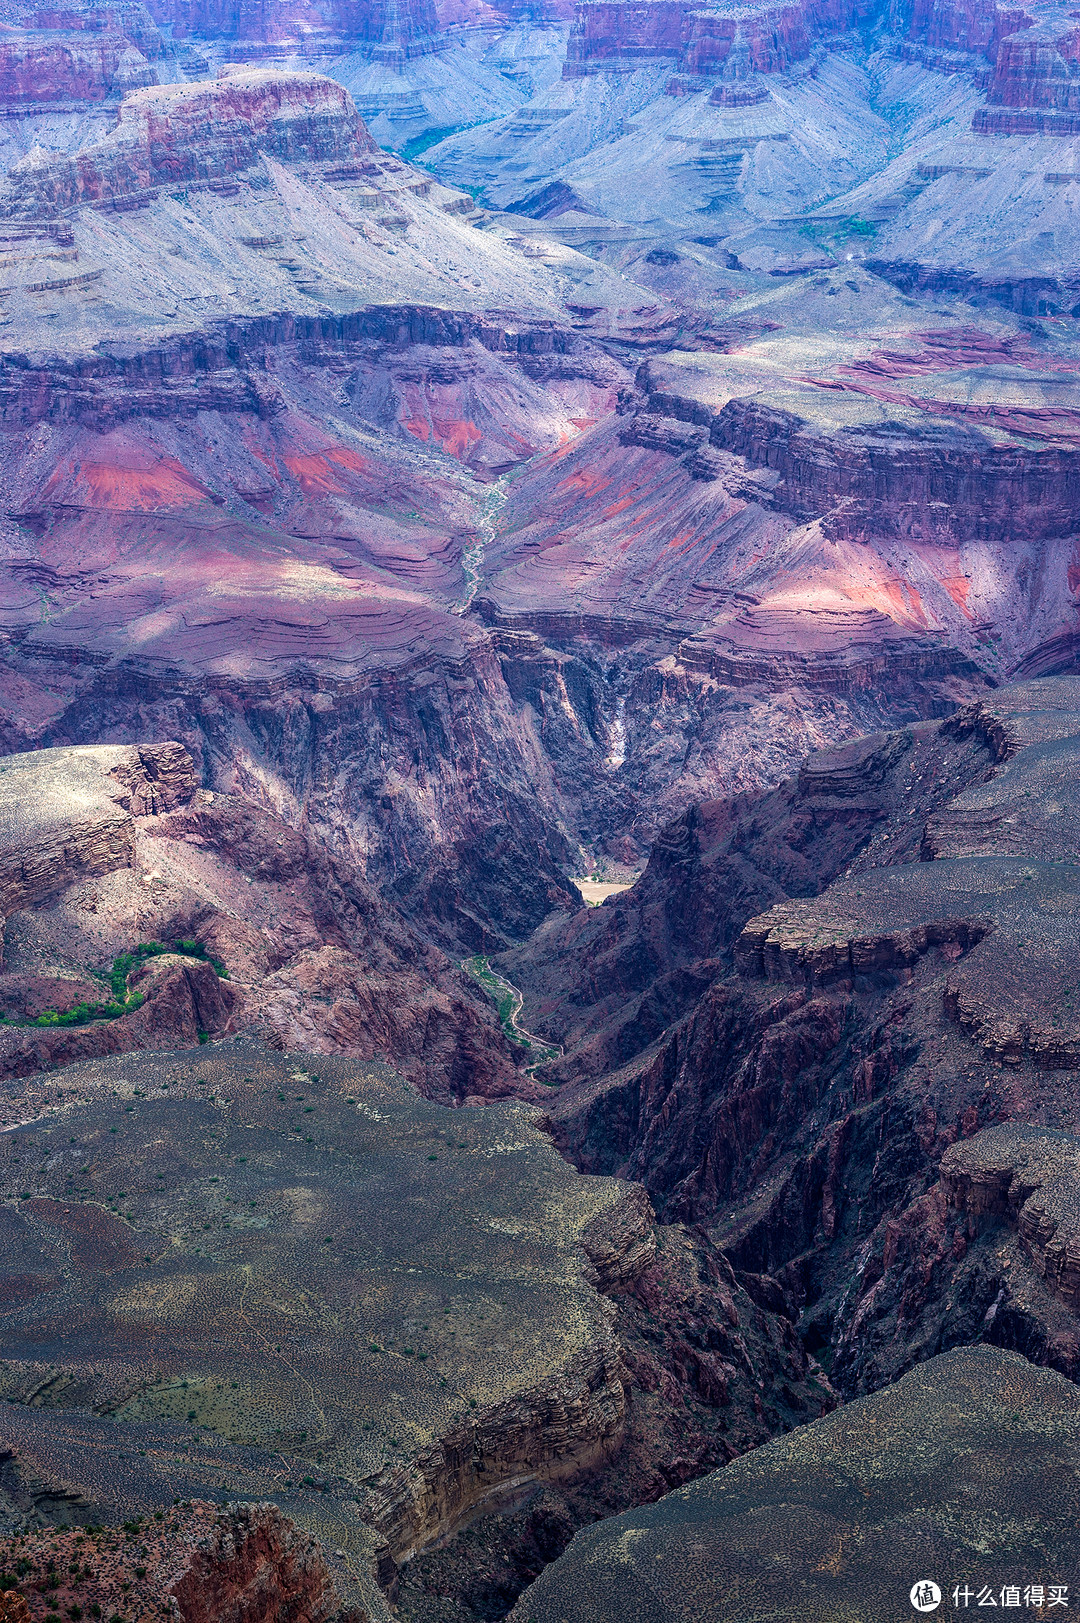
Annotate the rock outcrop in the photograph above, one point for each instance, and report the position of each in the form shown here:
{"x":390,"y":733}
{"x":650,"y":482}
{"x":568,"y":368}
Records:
{"x":176,"y":134}
{"x":895,"y":1004}
{"x":78,"y":66}
{"x":841,"y":1519}
{"x":410,"y":28}
{"x":225,"y":1219}
{"x":199,"y":1564}
{"x":702,"y":41}
{"x":68,"y":813}
{"x":107,"y":847}
{"x":128,"y":17}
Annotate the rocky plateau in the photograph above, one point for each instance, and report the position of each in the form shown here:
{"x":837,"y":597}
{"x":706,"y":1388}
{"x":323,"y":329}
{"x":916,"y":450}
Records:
{"x":459,"y":459}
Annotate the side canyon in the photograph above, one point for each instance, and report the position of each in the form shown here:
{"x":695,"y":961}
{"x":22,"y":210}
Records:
{"x":459,"y":459}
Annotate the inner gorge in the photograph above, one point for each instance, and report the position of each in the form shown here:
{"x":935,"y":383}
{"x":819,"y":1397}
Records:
{"x":539,"y":810}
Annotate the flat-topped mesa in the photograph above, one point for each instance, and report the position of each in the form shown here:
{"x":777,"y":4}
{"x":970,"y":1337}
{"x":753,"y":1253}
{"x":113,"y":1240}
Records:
{"x":171,"y":135}
{"x":70,"y":67}
{"x":767,"y":39}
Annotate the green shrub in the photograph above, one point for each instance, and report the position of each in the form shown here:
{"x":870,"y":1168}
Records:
{"x":122,"y":1001}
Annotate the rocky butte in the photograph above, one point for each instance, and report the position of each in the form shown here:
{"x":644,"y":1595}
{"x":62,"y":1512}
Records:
{"x":457,"y":459}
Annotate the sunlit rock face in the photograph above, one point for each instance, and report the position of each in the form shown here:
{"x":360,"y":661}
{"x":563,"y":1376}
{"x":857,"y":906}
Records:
{"x":673,"y":467}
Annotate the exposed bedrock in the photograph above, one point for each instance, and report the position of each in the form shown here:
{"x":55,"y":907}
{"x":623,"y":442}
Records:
{"x":934,"y":479}
{"x":231,"y":368}
{"x":833,"y":1522}
{"x":176,"y":133}
{"x":43,"y":67}
{"x":1028,"y":293}
{"x":251,"y":1564}
{"x":326,"y":22}
{"x":69,"y":813}
{"x":768,"y":39}
{"x":464,"y":1318}
{"x":128,"y":17}
{"x":203,"y":1563}
{"x":105,"y":848}
{"x":417,"y":778}
{"x":1023,"y":61}
{"x":921,"y":987}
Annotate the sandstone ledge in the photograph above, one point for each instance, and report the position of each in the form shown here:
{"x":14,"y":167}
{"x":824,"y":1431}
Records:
{"x":68,"y":812}
{"x":1031,"y":1176}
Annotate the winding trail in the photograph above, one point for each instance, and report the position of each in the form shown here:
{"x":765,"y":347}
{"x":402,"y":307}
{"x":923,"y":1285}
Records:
{"x":498,"y":987}
{"x":490,"y":506}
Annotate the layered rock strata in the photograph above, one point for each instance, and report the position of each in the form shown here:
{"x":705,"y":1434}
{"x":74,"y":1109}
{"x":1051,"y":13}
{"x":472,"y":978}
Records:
{"x":107,"y":847}
{"x":833,"y":1521}
{"x":161,"y":138}
{"x":897,"y":1002}
{"x":42,"y":68}
{"x":701,"y":40}
{"x":263,"y":1233}
{"x":65,"y":814}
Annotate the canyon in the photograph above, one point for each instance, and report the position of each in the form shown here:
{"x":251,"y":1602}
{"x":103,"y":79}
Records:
{"x":459,"y":459}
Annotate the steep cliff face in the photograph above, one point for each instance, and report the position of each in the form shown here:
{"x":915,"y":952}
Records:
{"x":70,"y":67}
{"x":128,"y":17}
{"x":803,"y":1105}
{"x":1033,"y":59}
{"x":106,"y":848}
{"x":757,"y":1526}
{"x":69,"y":813}
{"x":587,"y":1356}
{"x":945,"y":480}
{"x":161,"y":138}
{"x":768,"y":39}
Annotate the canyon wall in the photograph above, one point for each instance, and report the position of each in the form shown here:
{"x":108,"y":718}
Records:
{"x":612,"y":34}
{"x":943,"y":479}
{"x":161,"y":138}
{"x":72,"y":67}
{"x":843,"y":1106}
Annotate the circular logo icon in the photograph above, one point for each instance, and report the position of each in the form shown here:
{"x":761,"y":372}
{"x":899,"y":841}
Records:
{"x":925,"y":1595}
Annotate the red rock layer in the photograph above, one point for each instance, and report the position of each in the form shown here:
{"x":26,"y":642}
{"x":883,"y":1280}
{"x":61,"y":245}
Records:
{"x":958,"y":487}
{"x":178,"y":133}
{"x":769,"y":40}
{"x":963,"y":25}
{"x":1035,"y":54}
{"x":248,"y":1564}
{"x":74,"y":67}
{"x":127,"y":17}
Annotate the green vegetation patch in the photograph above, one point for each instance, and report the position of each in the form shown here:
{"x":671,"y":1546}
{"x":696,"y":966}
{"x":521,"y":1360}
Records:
{"x":430,"y":138}
{"x":839,"y":232}
{"x":122,"y":1001}
{"x":508,"y":1004}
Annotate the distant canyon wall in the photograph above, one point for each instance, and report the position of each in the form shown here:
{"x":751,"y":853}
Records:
{"x":1024,"y":62}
